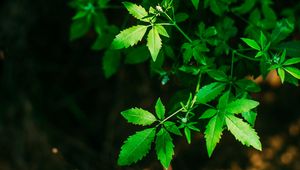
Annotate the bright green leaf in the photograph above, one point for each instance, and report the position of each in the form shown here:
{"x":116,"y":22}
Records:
{"x":210,"y":92}
{"x":138,"y":116}
{"x":253,"y":44}
{"x":160,"y":109}
{"x":208,"y":114}
{"x":241,"y":105}
{"x":293,"y":71}
{"x":154,"y":43}
{"x":281,"y":74}
{"x":213,"y":132}
{"x":136,"y":11}
{"x":292,"y":61}
{"x":171,"y":127}
{"x":187,"y":133}
{"x":161,"y":30}
{"x":129,"y":37}
{"x":250,"y":117}
{"x":164,"y":147}
{"x":136,"y":147}
{"x":242,"y":131}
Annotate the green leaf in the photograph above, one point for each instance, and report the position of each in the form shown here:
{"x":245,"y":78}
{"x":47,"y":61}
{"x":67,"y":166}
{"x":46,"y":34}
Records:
{"x":208,"y":114}
{"x":253,"y":44}
{"x":281,"y":74}
{"x":187,"y":133}
{"x":210,"y":31}
{"x":241,"y":105}
{"x":136,"y":11}
{"x":196,"y":3}
{"x":282,"y":56}
{"x":213,"y":132}
{"x":161,"y":30}
{"x":129,"y":37}
{"x":136,"y":147}
{"x":137,"y":55}
{"x":111,"y":62}
{"x":263,"y":40}
{"x":181,"y":17}
{"x":79,"y":28}
{"x":210,"y":92}
{"x":154,"y":43}
{"x":160,"y":109}
{"x":171,"y":127}
{"x":248,"y":85}
{"x":250,"y":117}
{"x":164,"y":147}
{"x":293,"y":71}
{"x":223,"y":100}
{"x":292,"y":48}
{"x":292,"y":61}
{"x":217,"y":75}
{"x":138,"y":116}
{"x":245,"y":7}
{"x":243,"y":131}
{"x":282,"y":30}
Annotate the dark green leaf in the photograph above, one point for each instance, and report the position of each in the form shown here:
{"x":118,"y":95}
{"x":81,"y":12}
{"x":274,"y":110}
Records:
{"x":137,"y":55}
{"x":248,"y":85}
{"x":111,"y":62}
{"x":282,"y":30}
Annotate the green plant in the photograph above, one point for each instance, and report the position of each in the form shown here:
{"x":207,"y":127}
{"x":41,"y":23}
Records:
{"x":208,"y":62}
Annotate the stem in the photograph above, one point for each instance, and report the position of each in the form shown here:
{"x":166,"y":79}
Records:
{"x":178,"y":28}
{"x":169,"y":117}
{"x":246,"y":57}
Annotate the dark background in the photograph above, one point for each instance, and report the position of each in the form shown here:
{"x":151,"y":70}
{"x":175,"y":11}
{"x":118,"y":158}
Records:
{"x":58,"y":112}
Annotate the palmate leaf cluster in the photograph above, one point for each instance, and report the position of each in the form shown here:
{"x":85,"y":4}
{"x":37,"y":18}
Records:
{"x":209,"y":58}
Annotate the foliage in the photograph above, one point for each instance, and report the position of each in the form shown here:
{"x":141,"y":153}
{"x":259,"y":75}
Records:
{"x":204,"y":59}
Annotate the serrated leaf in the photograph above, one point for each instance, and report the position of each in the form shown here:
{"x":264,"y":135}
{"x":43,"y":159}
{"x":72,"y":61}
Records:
{"x":242,"y":131}
{"x":138,"y":116}
{"x":171,"y":127}
{"x":281,"y":74}
{"x":195,"y":3}
{"x":136,"y":147}
{"x":250,"y":117}
{"x":210,"y":92}
{"x":293,"y":71}
{"x":129,"y":37}
{"x":213,"y":132}
{"x":251,"y":43}
{"x":161,"y":30}
{"x":208,"y":114}
{"x":241,"y":105}
{"x":164,"y":147}
{"x":292,"y":61}
{"x":160,"y":109}
{"x":136,"y":11}
{"x":111,"y":62}
{"x":154,"y":43}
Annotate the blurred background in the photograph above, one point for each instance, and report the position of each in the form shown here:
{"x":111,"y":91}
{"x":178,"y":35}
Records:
{"x":58,"y":111}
